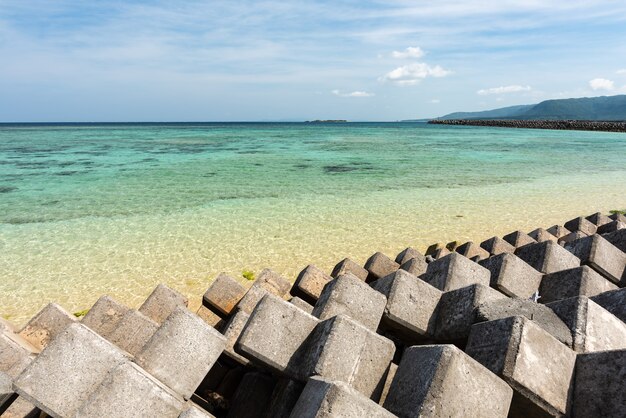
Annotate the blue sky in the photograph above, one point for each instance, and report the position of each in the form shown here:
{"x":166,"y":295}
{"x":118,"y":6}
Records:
{"x":276,"y":60}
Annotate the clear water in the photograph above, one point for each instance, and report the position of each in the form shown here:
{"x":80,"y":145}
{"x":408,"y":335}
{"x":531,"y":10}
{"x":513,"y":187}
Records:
{"x":93,"y":209}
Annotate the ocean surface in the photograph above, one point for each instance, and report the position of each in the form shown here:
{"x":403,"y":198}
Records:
{"x":92,"y":209}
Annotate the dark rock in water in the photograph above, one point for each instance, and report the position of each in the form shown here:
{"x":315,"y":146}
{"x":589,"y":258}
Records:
{"x":7,"y":189}
{"x":329,"y":169}
{"x":66,"y":173}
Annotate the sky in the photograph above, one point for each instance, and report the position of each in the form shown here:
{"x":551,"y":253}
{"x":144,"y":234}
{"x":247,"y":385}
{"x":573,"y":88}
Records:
{"x":105,"y":60}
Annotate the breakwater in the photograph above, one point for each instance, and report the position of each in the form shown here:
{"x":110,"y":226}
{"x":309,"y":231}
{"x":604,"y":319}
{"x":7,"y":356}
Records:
{"x":571,"y":125}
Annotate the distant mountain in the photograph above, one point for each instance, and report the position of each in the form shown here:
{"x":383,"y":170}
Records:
{"x":586,"y":108}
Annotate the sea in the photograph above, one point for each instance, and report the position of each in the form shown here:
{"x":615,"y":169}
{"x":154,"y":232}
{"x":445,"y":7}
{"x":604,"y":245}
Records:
{"x":93,"y":209}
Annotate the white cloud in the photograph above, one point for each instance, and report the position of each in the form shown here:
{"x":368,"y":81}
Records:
{"x":503,"y":90}
{"x":621,"y":72}
{"x":435,"y":101}
{"x":411,"y":52}
{"x":411,"y":74}
{"x":601,"y":84}
{"x":352,"y":94}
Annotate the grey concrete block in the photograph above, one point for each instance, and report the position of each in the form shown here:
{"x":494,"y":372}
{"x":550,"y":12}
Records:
{"x":268,"y":282}
{"x":253,"y":396}
{"x":617,"y":238}
{"x":7,"y":326}
{"x":581,"y":224}
{"x":558,"y":231}
{"x":541,"y":235}
{"x":6,"y":390}
{"x":105,"y":315}
{"x":600,"y":255}
{"x":536,"y":365}
{"x":133,"y":332}
{"x":15,"y":354}
{"x":391,"y":373}
{"x":379,"y":265}
{"x":496,"y":245}
{"x":518,"y":239}
{"x":128,"y":391}
{"x":194,"y":411}
{"x":440,"y":253}
{"x":618,"y":217}
{"x":600,"y":389}
{"x":593,"y":328}
{"x":572,"y":236}
{"x":540,"y":314}
{"x":210,"y":318}
{"x":579,"y":281}
{"x":348,"y":266}
{"x":455,"y":271}
{"x":223,"y":294}
{"x":181,"y":351}
{"x":430,"y":251}
{"x":443,"y":381}
{"x":547,"y":257}
{"x":598,"y":219}
{"x":310,"y":283}
{"x":352,"y":297}
{"x":274,"y":333}
{"x":284,"y":398}
{"x":511,"y":275}
{"x":411,"y":307}
{"x":161,"y":303}
{"x":472,"y":250}
{"x":77,"y":352}
{"x":457,"y":311}
{"x":324,"y":398}
{"x":232,"y":331}
{"x":252,"y":297}
{"x":407,"y":254}
{"x":296,"y":301}
{"x":415,"y":266}
{"x":21,"y":408}
{"x":611,"y":227}
{"x":46,"y":325}
{"x":613,"y":301}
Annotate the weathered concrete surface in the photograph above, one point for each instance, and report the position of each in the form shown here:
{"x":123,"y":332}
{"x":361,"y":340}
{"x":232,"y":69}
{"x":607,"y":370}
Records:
{"x":572,"y":236}
{"x":77,"y":352}
{"x":162,"y":302}
{"x":547,"y":257}
{"x":128,"y":391}
{"x":46,"y":325}
{"x":352,"y":297}
{"x":457,"y":311}
{"x":600,"y":255}
{"x":409,"y":254}
{"x":209,"y":317}
{"x":617,"y":238}
{"x":193,"y":411}
{"x":430,"y":251}
{"x":579,"y":281}
{"x":223,"y":294}
{"x":252,"y":297}
{"x":348,"y":266}
{"x":253,"y":396}
{"x":232,"y":330}
{"x":518,"y":239}
{"x":416,"y":266}
{"x":558,"y":231}
{"x":310,"y":283}
{"x":269,"y":282}
{"x":6,"y":390}
{"x":541,"y":235}
{"x":324,"y":398}
{"x":600,"y":389}
{"x":391,"y":373}
{"x":593,"y":328}
{"x":133,"y":332}
{"x":105,"y":315}
{"x":613,"y":301}
{"x":440,"y":253}
{"x":512,"y":276}
{"x":536,"y":365}
{"x":611,"y":227}
{"x":472,"y":250}
{"x":15,"y":354}
{"x":581,"y":224}
{"x":598,"y":219}
{"x":618,"y":217}
{"x":21,"y":408}
{"x":181,"y":351}
{"x":274,"y":333}
{"x":297,"y":302}
{"x":455,"y":271}
{"x":284,"y":398}
{"x":443,"y":381}
{"x":379,"y":265}
{"x":411,"y":308}
{"x":496,"y":245}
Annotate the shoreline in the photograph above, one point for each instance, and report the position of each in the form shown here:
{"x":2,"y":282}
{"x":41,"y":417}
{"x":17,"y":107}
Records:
{"x":565,"y":125}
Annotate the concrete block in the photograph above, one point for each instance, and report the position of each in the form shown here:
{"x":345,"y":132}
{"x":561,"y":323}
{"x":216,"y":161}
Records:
{"x":133,"y":332}
{"x":269,"y":282}
{"x":194,"y":411}
{"x":411,"y":307}
{"x":440,"y":253}
{"x":443,"y":381}
{"x":536,"y":365}
{"x":223,"y":294}
{"x":611,"y":227}
{"x":310,"y":283}
{"x":455,"y":271}
{"x":600,"y":255}
{"x":617,"y":238}
{"x":540,"y":314}
{"x":77,"y":352}
{"x":558,"y":231}
{"x":518,"y":239}
{"x":379,"y":265}
{"x":452,"y":245}
{"x":581,"y":224}
{"x":161,"y":303}
{"x":547,"y":257}
{"x":613,"y":301}
{"x":232,"y":331}
{"x":105,"y":315}
{"x":541,"y":235}
{"x":511,"y":275}
{"x":352,"y":297}
{"x":415,"y":266}
{"x":598,"y":219}
{"x":181,"y":351}
{"x":15,"y":354}
{"x":407,"y":254}
{"x":252,"y":297}
{"x":593,"y":328}
{"x":600,"y":389}
{"x":253,"y":396}
{"x":128,"y":391}
{"x":472,"y":250}
{"x":324,"y":398}
{"x":7,"y":326}
{"x":430,"y":251}
{"x":572,"y":236}
{"x":21,"y":408}
{"x":274,"y":333}
{"x":496,"y":245}
{"x":209,"y":317}
{"x":457,"y":311}
{"x":46,"y":325}
{"x":579,"y":281}
{"x":348,"y":266}
{"x":284,"y":398}
{"x":296,"y":301}
{"x":391,"y":373}
{"x":7,"y":394}
{"x":618,"y":217}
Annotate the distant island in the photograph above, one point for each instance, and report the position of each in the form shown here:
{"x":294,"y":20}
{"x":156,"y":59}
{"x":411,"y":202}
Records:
{"x":327,"y":121}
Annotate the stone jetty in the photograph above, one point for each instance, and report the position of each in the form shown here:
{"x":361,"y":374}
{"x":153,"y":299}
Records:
{"x":524,"y":325}
{"x":571,"y":125}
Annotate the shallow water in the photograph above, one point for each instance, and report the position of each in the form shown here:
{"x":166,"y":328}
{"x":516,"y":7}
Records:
{"x":93,"y":209}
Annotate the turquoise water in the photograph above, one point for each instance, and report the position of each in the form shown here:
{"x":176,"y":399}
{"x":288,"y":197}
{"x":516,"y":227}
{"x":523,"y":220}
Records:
{"x":91,"y":209}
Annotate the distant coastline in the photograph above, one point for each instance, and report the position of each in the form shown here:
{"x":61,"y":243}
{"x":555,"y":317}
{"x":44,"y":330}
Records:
{"x":572,"y":125}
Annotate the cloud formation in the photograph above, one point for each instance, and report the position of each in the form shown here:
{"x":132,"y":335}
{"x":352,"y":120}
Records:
{"x":352,"y":94}
{"x":411,"y":52}
{"x":621,"y":72}
{"x":411,"y":74}
{"x":602,"y":84}
{"x":503,"y":90}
